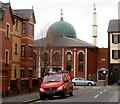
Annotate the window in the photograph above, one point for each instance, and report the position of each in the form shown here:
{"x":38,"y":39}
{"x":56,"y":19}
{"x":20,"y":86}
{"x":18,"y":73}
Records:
{"x":30,"y":51}
{"x":115,"y":54}
{"x":115,"y":39}
{"x":23,"y":28}
{"x":68,"y":56}
{"x":15,"y":73}
{"x":81,"y":56}
{"x":80,"y":62}
{"x":31,"y":29}
{"x":35,"y":55}
{"x":22,"y":50}
{"x":24,"y":83}
{"x":13,"y":84}
{"x":6,"y":57}
{"x":16,"y":26}
{"x":119,"y":38}
{"x":80,"y":67}
{"x":7,"y":30}
{"x":45,"y":57}
{"x":21,"y":73}
{"x":57,"y":57}
{"x":29,"y":73}
{"x":15,"y":49}
{"x":69,"y":59}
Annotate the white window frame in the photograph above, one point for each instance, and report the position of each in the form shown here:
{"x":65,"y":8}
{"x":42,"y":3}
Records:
{"x":7,"y":35}
{"x":5,"y":57}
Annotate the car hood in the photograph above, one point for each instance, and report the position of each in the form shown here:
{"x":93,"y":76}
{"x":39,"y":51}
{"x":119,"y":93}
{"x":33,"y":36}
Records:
{"x":51,"y":84}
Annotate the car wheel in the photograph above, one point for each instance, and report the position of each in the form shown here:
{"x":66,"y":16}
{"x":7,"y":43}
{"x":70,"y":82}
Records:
{"x":74,"y":84}
{"x":64,"y":94}
{"x":50,"y":97}
{"x":89,"y":84}
{"x":71,"y":93}
{"x":42,"y":97}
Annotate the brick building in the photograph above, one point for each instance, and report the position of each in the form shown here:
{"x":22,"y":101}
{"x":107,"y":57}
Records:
{"x":62,"y":50}
{"x":17,"y":50}
{"x":23,"y":61}
{"x":114,"y":50}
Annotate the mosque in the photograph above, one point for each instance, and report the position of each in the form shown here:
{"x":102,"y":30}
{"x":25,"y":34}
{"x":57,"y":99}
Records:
{"x":62,"y":50}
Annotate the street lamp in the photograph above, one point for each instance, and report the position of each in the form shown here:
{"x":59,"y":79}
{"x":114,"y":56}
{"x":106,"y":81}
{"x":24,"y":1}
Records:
{"x":104,"y":72}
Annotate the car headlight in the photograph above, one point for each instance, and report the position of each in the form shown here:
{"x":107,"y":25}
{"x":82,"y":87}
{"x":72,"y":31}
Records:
{"x":41,"y":89}
{"x":61,"y":87}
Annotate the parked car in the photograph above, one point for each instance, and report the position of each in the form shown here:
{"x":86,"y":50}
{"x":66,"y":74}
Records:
{"x":118,"y":82}
{"x":82,"y":81}
{"x":56,"y":84}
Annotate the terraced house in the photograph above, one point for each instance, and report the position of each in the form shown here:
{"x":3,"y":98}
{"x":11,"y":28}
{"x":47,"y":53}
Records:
{"x":17,"y":49}
{"x":114,"y":50}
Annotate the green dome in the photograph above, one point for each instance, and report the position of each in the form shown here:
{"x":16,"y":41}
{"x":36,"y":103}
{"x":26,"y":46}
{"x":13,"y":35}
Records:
{"x":61,"y":28}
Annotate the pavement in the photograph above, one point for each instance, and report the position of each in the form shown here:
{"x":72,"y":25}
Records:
{"x":21,"y":98}
{"x":28,"y":97}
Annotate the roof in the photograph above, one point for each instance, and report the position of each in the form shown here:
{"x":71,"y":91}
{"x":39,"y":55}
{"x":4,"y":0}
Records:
{"x":62,"y":28}
{"x":114,"y":26}
{"x":61,"y":41}
{"x":24,"y":13}
{"x":3,"y":8}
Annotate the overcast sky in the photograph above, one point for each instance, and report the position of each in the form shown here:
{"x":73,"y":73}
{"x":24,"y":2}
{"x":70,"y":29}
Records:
{"x":79,"y":13}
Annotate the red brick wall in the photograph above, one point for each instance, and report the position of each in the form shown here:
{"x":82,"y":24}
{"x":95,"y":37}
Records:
{"x":102,"y":58}
{"x":92,"y":63}
{"x":6,"y":44}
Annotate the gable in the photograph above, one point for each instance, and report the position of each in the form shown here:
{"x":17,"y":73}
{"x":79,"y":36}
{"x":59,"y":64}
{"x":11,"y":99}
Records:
{"x":32,"y":18}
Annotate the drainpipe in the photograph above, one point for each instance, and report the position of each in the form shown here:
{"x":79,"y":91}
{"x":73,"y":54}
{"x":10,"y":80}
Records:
{"x":86,"y":73}
{"x":39,"y":68}
{"x":62,"y":58}
{"x":74,"y":62}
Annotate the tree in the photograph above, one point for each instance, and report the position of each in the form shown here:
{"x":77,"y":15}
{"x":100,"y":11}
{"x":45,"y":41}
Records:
{"x":48,"y":51}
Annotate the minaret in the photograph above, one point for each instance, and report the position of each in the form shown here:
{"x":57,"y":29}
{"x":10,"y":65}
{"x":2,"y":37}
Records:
{"x":94,"y":27}
{"x":61,"y":19}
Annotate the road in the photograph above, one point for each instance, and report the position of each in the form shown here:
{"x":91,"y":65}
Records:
{"x":90,"y":94}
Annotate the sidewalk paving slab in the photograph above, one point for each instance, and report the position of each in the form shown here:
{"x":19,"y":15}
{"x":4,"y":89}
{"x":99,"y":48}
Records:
{"x":21,"y":98}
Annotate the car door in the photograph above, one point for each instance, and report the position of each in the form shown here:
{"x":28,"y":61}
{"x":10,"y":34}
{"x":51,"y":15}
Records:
{"x":82,"y":81}
{"x":85,"y":82}
{"x":76,"y":81}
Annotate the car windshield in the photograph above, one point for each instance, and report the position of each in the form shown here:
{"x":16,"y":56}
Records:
{"x":53,"y":78}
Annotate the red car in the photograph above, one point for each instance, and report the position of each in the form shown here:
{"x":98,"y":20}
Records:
{"x":58,"y":84}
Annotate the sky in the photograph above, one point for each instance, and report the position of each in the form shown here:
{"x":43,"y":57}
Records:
{"x":79,"y":13}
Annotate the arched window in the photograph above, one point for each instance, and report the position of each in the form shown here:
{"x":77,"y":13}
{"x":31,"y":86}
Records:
{"x":69,"y":60}
{"x":57,"y":57}
{"x":80,"y":62}
{"x":45,"y":57}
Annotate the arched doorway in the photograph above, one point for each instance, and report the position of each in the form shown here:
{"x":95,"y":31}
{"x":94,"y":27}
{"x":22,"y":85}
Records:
{"x":115,"y":75}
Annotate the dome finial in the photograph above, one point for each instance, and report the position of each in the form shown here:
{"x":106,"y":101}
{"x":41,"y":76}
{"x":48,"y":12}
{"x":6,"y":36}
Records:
{"x":94,"y":6}
{"x":61,"y":19}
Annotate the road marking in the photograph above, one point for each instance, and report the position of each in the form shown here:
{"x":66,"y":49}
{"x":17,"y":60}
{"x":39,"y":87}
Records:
{"x":104,"y":90}
{"x":96,"y":96}
{"x":101,"y":92}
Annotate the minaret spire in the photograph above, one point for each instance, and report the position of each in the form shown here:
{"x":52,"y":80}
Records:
{"x":94,"y":26}
{"x":61,"y":19}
